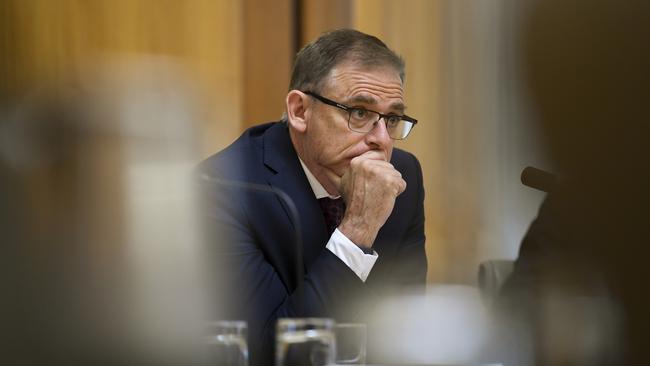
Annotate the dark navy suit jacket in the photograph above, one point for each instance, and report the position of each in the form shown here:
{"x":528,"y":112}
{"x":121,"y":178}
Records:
{"x":255,"y":250}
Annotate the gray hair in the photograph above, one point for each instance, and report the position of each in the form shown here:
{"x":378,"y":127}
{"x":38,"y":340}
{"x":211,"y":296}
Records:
{"x":315,"y":61}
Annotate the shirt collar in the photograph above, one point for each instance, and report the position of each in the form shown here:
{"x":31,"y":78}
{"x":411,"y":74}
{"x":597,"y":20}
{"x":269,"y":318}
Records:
{"x":316,"y":187}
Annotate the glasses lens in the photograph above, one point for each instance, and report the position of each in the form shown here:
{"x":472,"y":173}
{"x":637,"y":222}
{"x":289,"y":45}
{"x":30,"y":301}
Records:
{"x":362,"y":120}
{"x":400,"y":130}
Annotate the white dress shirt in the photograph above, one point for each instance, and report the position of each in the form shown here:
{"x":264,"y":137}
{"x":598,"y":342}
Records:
{"x":358,"y":261}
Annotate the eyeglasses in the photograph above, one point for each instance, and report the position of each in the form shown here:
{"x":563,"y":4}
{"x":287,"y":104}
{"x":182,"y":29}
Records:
{"x":364,"y":120}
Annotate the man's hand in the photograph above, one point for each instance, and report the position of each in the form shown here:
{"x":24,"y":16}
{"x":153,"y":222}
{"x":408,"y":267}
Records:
{"x":369,"y":188}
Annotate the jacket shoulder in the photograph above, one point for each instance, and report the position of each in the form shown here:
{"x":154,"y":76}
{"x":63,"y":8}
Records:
{"x":245,"y":151}
{"x":405,"y":162}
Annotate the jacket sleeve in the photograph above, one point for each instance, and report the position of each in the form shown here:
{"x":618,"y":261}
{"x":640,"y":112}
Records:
{"x":411,"y":265}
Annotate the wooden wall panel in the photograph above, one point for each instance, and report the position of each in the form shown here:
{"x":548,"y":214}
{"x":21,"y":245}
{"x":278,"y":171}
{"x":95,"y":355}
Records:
{"x":45,"y":41}
{"x":413,"y":29}
{"x":319,"y":16}
{"x":267,"y":57}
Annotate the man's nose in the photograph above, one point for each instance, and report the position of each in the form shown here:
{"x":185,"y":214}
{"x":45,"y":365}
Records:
{"x":378,"y":136}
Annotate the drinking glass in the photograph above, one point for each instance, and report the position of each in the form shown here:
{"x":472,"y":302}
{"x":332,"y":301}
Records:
{"x":305,"y":342}
{"x":227,"y":344}
{"x":351,"y":340}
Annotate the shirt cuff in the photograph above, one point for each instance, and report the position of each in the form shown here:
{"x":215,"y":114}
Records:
{"x":358,"y":261}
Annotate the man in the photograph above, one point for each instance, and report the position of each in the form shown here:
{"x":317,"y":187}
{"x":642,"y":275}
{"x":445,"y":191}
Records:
{"x":359,"y":200}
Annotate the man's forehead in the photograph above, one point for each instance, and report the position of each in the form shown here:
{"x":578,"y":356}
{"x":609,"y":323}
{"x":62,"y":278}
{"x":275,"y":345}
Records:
{"x":379,"y":73}
{"x":369,"y":99}
{"x":366,"y":84}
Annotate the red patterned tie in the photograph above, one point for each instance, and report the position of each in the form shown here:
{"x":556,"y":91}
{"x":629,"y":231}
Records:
{"x":333,"y":210}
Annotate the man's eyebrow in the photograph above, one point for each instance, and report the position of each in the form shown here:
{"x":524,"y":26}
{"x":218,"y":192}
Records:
{"x":398,"y":106}
{"x":365,"y":99}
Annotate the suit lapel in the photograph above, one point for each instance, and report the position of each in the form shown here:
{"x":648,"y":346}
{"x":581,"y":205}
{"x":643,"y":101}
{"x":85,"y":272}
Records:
{"x":289,"y":177}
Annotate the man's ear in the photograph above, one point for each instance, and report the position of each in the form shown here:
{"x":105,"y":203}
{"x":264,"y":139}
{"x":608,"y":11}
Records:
{"x":297,"y":113}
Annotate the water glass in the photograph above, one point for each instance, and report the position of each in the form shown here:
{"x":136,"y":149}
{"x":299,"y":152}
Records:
{"x":227,"y":346}
{"x":305,"y":342}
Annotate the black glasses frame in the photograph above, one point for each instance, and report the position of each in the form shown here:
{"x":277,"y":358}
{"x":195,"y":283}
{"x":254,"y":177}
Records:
{"x":350,"y":109}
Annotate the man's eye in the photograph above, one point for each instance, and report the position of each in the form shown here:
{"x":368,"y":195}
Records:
{"x":359,"y":113}
{"x":393,"y":120}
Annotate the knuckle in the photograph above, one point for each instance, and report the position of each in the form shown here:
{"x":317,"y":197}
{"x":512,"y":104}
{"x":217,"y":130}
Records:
{"x":372,"y":169}
{"x":357,"y":163}
{"x":362,"y":162}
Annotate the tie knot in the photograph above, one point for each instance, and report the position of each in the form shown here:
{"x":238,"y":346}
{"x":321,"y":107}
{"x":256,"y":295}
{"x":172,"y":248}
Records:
{"x":333,"y":210}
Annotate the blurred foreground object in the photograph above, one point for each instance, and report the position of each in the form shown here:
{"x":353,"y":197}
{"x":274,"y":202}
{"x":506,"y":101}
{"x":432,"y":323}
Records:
{"x":578,"y":288}
{"x":447,"y":326}
{"x":101,"y":243}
